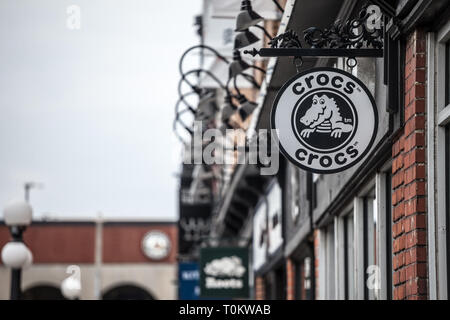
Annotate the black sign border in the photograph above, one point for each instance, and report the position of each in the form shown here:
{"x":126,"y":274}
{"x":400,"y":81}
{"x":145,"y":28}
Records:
{"x":303,"y":73}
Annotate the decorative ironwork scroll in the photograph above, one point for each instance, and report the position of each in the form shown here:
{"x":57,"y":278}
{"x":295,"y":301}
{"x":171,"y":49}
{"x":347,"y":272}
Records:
{"x":288,"y":39}
{"x":353,"y":38}
{"x":350,"y":34}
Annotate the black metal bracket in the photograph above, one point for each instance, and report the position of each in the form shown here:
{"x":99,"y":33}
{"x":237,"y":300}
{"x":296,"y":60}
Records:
{"x":352,"y":38}
{"x":316,"y":52}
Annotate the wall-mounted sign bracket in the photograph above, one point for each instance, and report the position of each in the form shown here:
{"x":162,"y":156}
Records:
{"x":316,"y":52}
{"x":362,"y":37}
{"x":359,"y":37}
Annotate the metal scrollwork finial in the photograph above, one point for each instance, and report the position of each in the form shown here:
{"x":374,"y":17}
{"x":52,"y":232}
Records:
{"x":288,"y":39}
{"x":350,"y":34}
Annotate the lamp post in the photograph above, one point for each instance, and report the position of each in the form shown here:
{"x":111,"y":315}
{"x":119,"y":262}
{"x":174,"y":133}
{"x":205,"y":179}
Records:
{"x":71,"y":286}
{"x":30,"y":185}
{"x":15,"y":254}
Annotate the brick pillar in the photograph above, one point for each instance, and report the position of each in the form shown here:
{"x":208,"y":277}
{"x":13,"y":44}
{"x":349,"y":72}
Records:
{"x":409,"y":181}
{"x":316,"y":262}
{"x":290,"y":280}
{"x":259,"y":288}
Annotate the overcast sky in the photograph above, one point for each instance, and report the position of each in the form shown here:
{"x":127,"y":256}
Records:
{"x":89,"y":112}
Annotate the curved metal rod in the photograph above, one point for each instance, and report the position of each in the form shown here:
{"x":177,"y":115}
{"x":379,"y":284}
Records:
{"x":209,"y":73}
{"x":174,"y":129}
{"x":258,"y":68}
{"x":278,"y":6}
{"x":245,"y":77}
{"x":193,"y":87}
{"x":225,"y":87}
{"x":181,"y":99}
{"x":180,"y":63}
{"x":178,"y":113}
{"x":181,"y":122}
{"x":265,"y":31}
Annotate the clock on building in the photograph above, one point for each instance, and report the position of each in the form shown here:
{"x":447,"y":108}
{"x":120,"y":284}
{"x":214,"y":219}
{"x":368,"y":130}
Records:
{"x":156,"y":245}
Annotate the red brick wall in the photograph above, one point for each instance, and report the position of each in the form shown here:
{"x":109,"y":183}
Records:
{"x":409,"y":181}
{"x":290,"y":280}
{"x":57,"y":243}
{"x":122,"y":242}
{"x":75,"y":242}
{"x":259,"y":288}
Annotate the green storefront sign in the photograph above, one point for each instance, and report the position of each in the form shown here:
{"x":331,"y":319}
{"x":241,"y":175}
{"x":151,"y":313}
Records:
{"x":224,"y":272}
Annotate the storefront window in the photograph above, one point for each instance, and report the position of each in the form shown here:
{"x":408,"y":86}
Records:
{"x":315,"y":178}
{"x":388,"y":234}
{"x":370,"y":241}
{"x":280,"y":283}
{"x":438,"y":106}
{"x":372,"y":245}
{"x":349,"y":240}
{"x":447,"y":178}
{"x":330,"y":264}
{"x":304,"y":280}
{"x":295,"y":185}
{"x":327,"y":274}
{"x":447,"y":74}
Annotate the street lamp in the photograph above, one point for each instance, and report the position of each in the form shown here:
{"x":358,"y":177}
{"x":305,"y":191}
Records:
{"x":15,"y":255}
{"x":30,"y":185}
{"x":247,"y":17}
{"x":71,"y":288}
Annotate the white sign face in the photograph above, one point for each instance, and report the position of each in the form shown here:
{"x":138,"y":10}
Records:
{"x":326,"y":120}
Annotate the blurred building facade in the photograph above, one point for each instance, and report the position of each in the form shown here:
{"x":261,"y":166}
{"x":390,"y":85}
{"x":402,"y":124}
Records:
{"x":329,"y":236}
{"x":112,"y":256}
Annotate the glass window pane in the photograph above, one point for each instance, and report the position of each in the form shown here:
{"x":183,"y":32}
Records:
{"x":388,"y":235}
{"x":447,"y":205}
{"x":295,"y":184}
{"x":447,"y":74}
{"x":349,"y":257}
{"x":371,"y":253}
{"x":330,"y":264}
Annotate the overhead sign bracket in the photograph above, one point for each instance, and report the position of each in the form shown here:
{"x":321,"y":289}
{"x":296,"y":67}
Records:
{"x":359,"y":37}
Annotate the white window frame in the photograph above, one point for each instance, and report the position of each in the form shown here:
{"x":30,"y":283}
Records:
{"x":438,"y":116}
{"x":382,"y":228}
{"x":340,"y":257}
{"x":335,"y":288}
{"x":379,"y":183}
{"x":327,"y":271}
{"x":322,"y":263}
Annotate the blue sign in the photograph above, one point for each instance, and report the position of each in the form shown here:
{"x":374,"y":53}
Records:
{"x":188,"y":281}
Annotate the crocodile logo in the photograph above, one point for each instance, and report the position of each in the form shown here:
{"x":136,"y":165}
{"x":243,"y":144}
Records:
{"x":324,"y":116}
{"x":326,"y":120}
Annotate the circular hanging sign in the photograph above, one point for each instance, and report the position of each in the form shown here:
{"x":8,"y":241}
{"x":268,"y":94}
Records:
{"x":326,"y":120}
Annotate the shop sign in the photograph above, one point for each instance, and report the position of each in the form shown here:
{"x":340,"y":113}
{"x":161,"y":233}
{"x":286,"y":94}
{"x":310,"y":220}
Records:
{"x":326,"y":120}
{"x":224,"y":272}
{"x":188,"y":281}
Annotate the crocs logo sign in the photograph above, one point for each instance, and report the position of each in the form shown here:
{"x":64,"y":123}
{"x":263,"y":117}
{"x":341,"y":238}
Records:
{"x":326,"y":120}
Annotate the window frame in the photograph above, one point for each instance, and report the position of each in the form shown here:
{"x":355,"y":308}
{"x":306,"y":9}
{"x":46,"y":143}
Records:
{"x":438,"y":118}
{"x":333,"y":283}
{"x":383,"y":192}
{"x":344,"y":269}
